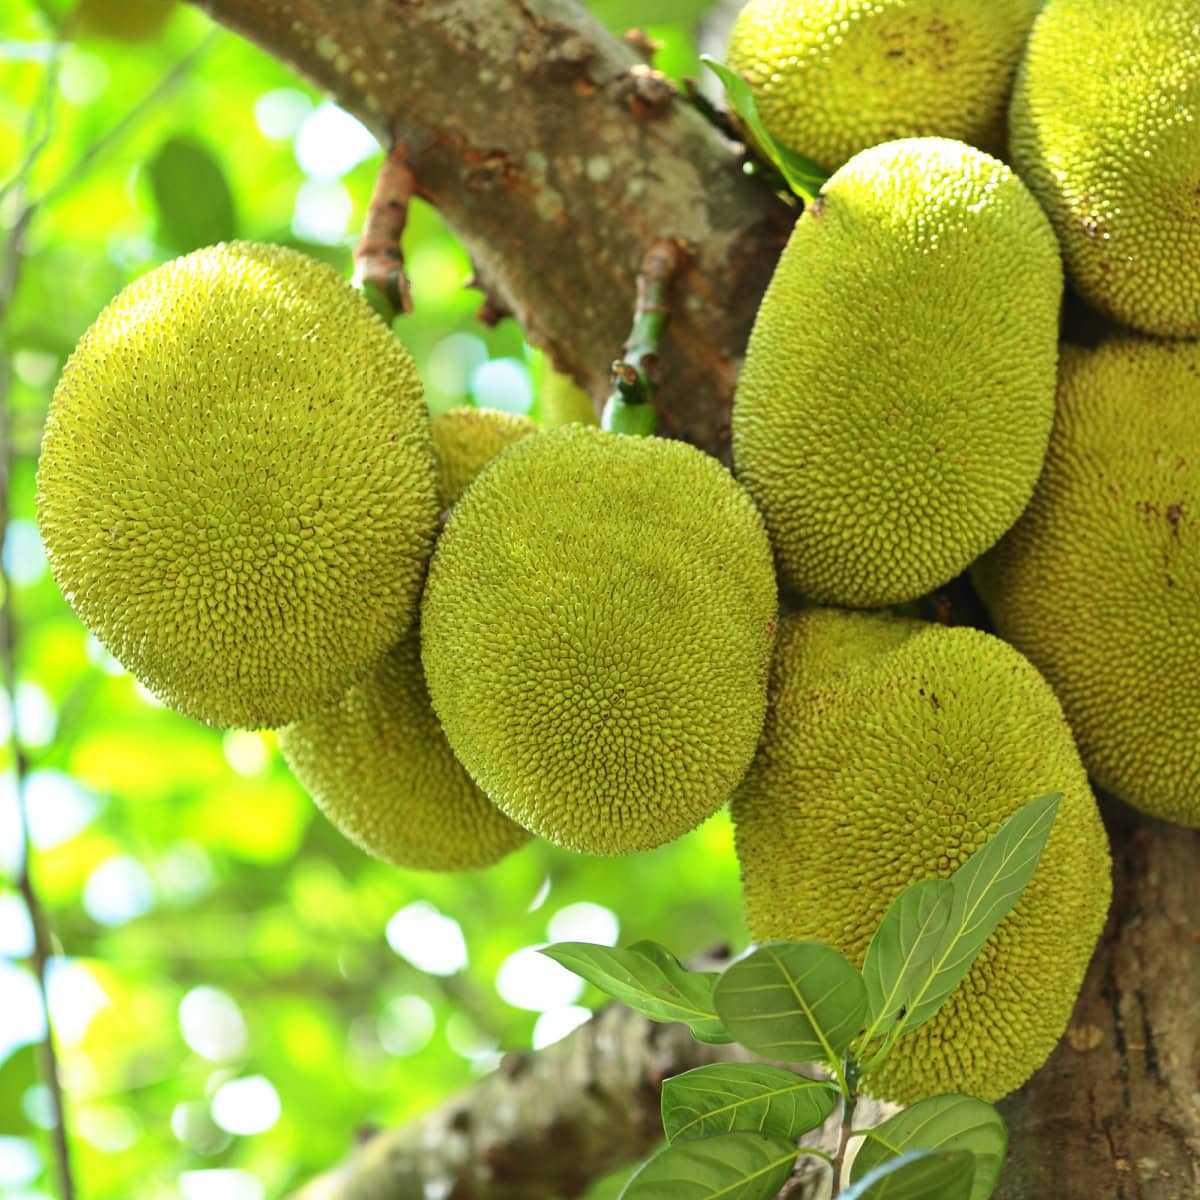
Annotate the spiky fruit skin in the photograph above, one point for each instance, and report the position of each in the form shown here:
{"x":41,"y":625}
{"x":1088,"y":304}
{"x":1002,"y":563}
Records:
{"x":380,"y":768}
{"x":1099,"y":581}
{"x":596,"y":631}
{"x":833,"y":77}
{"x":896,"y":401}
{"x":1105,"y":130}
{"x":467,"y":439}
{"x":236,"y":487}
{"x":892,"y":751}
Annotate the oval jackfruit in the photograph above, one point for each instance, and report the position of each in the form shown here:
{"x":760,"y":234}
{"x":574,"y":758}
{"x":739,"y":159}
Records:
{"x":236,"y":487}
{"x":892,"y":751}
{"x":1099,"y":581}
{"x":380,"y":768}
{"x":833,"y":77}
{"x":465,"y":440}
{"x":596,"y":629}
{"x":896,"y":401}
{"x":1105,"y":129}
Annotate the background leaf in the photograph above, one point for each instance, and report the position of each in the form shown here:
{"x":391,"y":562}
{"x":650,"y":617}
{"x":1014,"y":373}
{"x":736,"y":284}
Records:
{"x":794,"y":1001}
{"x":637,"y":980}
{"x":986,"y":888}
{"x":753,"y":1096}
{"x":918,"y":1175}
{"x":941,"y":1123}
{"x":904,"y":945}
{"x":733,"y":1166}
{"x":195,"y":205}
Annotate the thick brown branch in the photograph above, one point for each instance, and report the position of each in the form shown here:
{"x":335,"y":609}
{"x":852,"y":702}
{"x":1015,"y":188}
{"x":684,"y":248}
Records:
{"x":557,"y":157}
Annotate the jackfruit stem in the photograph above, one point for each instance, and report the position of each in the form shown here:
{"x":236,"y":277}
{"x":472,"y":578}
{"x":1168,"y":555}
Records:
{"x":378,"y":259}
{"x":849,"y":1103}
{"x":635,"y":376}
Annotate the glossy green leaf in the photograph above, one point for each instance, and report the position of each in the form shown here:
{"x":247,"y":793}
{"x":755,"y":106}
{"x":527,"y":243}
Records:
{"x":918,"y":1175}
{"x":986,"y":887}
{"x":637,"y":980}
{"x":794,"y":1001}
{"x":725,"y":1097}
{"x":801,"y":174}
{"x":732,"y":1166}
{"x":195,"y":205}
{"x":903,"y":947}
{"x":940,"y":1123}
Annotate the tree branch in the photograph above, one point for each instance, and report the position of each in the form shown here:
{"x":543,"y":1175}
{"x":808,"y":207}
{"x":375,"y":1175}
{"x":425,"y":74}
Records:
{"x":557,"y":157}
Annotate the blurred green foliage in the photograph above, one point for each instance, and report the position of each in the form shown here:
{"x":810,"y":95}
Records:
{"x":238,"y":988}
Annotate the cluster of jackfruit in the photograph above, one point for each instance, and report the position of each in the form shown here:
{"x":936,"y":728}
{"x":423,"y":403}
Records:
{"x":909,"y":409}
{"x":240,"y":492}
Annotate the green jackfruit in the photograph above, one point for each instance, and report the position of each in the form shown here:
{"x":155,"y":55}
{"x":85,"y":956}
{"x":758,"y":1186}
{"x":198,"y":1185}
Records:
{"x":892,"y":751}
{"x":380,"y":768}
{"x":467,"y":439}
{"x":896,"y":401}
{"x":596,"y":629}
{"x":236,"y":487}
{"x":1105,"y":130}
{"x":1099,"y":581}
{"x":833,"y":77}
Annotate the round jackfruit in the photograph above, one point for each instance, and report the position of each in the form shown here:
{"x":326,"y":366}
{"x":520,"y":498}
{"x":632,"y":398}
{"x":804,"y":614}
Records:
{"x":833,"y":77}
{"x":236,"y":486}
{"x":563,"y":401}
{"x":465,"y":440}
{"x":596,"y":630}
{"x":1099,"y":581}
{"x":896,"y":401}
{"x":1105,"y":129}
{"x":892,"y":751}
{"x":380,"y":768}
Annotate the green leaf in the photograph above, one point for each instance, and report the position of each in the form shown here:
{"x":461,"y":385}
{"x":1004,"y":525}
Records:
{"x":903,"y":947}
{"x":636,"y":979}
{"x":195,"y":205}
{"x":794,"y":1001}
{"x":918,"y":1175}
{"x":730,"y":1096}
{"x":986,"y":887}
{"x":18,"y":1073}
{"x":941,"y":1123}
{"x":801,"y":174}
{"x":732,"y":1166}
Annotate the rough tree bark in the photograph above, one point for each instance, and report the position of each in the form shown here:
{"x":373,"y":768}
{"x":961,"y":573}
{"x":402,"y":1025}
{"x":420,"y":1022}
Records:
{"x":557,"y":155}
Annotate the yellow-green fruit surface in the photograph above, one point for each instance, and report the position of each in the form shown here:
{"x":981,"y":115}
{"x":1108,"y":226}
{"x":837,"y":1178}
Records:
{"x":596,"y":630}
{"x":833,"y":77}
{"x":564,"y":402}
{"x":894,"y":408}
{"x":380,"y":768}
{"x":1105,"y":129}
{"x":1099,"y":581}
{"x":466,"y":439}
{"x":892,"y":751}
{"x":236,"y":487}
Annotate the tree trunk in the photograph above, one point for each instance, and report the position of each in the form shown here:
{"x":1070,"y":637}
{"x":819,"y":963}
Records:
{"x":557,"y":155}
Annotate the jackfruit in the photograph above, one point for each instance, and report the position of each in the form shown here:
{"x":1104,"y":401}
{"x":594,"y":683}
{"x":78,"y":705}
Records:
{"x":236,"y":486}
{"x":1099,"y":581}
{"x":1105,"y":130}
{"x":596,"y":629}
{"x":465,"y":440}
{"x":833,"y":77}
{"x":380,"y":768}
{"x":893,"y":749}
{"x":563,"y":401}
{"x":895,"y":404}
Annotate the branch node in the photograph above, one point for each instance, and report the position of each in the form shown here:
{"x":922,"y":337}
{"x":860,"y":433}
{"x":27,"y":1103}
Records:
{"x":642,"y":43}
{"x":493,"y":310}
{"x":378,"y":259}
{"x":646,"y":90}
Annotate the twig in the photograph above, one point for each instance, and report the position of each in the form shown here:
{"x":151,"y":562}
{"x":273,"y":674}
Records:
{"x":848,"y":1105}
{"x":635,"y":376}
{"x":378,"y":259}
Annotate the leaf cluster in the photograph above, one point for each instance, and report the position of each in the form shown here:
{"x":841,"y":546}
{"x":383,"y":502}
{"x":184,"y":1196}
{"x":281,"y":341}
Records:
{"x":733,"y":1129}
